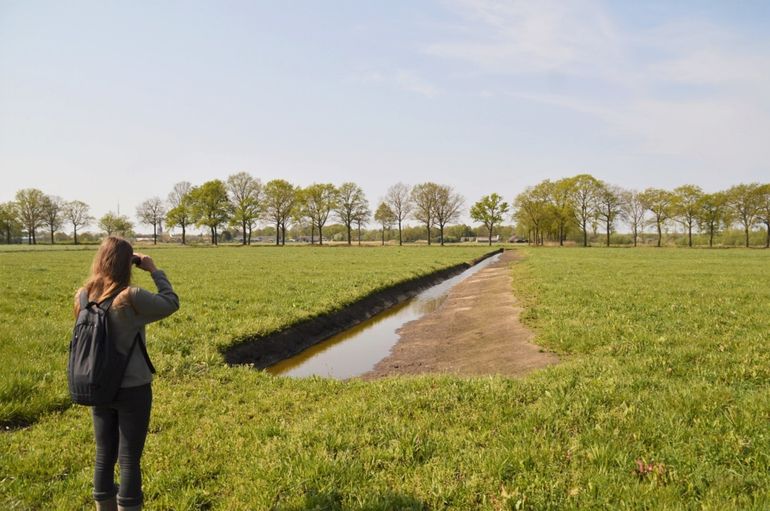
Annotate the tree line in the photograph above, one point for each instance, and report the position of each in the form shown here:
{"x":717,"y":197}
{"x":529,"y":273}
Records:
{"x":242,"y":201}
{"x":548,"y":211}
{"x":551,"y":210}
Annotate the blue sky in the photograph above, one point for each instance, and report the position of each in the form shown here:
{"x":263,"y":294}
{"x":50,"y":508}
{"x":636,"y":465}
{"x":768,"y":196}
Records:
{"x":112,"y":102}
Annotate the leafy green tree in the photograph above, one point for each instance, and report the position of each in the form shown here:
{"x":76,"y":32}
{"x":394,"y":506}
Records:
{"x":764,"y":211}
{"x":76,"y":212}
{"x":320,"y":201}
{"x":712,"y":214}
{"x":9,"y":220}
{"x":180,"y":208}
{"x":447,"y":209}
{"x":609,"y":206}
{"x":53,"y":217}
{"x":424,"y":197}
{"x":633,"y":212}
{"x":351,"y":201}
{"x":661,"y":204}
{"x":745,"y":202}
{"x":385,"y":217}
{"x":280,"y":199}
{"x":688,"y":200}
{"x":246,"y":199}
{"x":584,"y":193}
{"x":490,"y":211}
{"x":399,"y":201}
{"x":152,"y":212}
{"x":532,"y":209}
{"x":114,"y":224}
{"x":561,"y":206}
{"x":210,"y":206}
{"x":30,"y":204}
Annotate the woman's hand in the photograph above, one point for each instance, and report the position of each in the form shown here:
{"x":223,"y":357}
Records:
{"x":145,"y":262}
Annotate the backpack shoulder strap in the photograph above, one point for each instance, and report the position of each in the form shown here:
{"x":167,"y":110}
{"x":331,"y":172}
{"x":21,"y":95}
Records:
{"x":138,"y":340}
{"x":107,"y":302}
{"x":83,"y":297}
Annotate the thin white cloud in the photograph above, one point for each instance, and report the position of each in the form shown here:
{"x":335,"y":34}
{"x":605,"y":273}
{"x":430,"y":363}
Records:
{"x":400,"y":79}
{"x":688,"y":88}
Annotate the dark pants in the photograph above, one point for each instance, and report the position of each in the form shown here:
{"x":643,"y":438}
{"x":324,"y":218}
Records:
{"x":120,"y":429}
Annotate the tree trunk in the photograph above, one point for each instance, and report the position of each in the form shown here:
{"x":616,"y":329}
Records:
{"x":491,"y":227}
{"x":184,"y":239}
{"x":244,"y":232}
{"x":213,"y":236}
{"x":283,"y":234}
{"x":428,"y":235}
{"x":585,"y":234}
{"x":747,"y":236}
{"x":312,"y":234}
{"x":277,"y":233}
{"x":441,"y":234}
{"x":350,"y":242}
{"x":154,"y":234}
{"x":660,"y":233}
{"x":711,"y":238}
{"x":399,"y":233}
{"x":359,"y":235}
{"x":608,"y":232}
{"x":383,"y":235}
{"x":320,"y":234}
{"x":249,"y":234}
{"x":689,"y":234}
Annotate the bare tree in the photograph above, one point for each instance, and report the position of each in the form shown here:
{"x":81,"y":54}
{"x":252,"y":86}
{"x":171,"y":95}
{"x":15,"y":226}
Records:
{"x":584,"y":190}
{"x":151,"y":212}
{"x":398,"y":199}
{"x":180,"y":212}
{"x":77,"y":213}
{"x":361,"y":217}
{"x":448,"y":206}
{"x":424,"y":197}
{"x":745,"y":202}
{"x":633,"y":212}
{"x":609,"y":206}
{"x":52,"y":212}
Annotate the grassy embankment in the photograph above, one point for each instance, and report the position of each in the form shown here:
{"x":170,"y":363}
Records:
{"x":667,"y":361}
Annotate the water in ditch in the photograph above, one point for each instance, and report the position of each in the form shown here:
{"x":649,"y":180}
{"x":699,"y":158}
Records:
{"x":358,"y":349}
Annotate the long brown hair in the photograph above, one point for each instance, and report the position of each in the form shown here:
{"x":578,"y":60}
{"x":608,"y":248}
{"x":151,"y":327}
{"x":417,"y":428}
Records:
{"x":110,"y":271}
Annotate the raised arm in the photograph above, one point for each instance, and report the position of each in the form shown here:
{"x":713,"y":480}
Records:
{"x":154,"y":306}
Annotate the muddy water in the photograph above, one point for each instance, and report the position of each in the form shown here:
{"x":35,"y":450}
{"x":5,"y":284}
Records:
{"x":357,"y":350}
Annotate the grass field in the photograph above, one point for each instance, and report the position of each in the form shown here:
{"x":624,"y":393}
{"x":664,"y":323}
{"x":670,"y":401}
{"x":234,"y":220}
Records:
{"x":666,"y":363}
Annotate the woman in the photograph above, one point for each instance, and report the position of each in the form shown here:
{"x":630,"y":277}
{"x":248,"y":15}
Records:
{"x":120,"y":428}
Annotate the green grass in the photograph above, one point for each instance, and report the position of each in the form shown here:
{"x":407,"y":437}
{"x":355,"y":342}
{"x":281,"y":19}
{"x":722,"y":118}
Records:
{"x":665,"y":358}
{"x":227,"y":294}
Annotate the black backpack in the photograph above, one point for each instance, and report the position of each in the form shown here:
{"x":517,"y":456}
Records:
{"x":95,"y":368}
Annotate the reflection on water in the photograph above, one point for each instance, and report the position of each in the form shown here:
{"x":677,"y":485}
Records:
{"x":357,"y":350}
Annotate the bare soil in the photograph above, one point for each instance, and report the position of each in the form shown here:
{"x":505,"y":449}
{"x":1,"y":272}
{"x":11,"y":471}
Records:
{"x":475,"y":332}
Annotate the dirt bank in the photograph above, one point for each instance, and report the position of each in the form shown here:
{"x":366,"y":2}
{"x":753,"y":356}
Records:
{"x":265,"y":351}
{"x":475,"y":332}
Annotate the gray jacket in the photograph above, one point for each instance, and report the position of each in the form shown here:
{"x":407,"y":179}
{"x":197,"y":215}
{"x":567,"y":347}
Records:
{"x":126,"y":321}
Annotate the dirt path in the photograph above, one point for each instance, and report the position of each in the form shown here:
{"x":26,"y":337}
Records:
{"x":475,"y":332}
